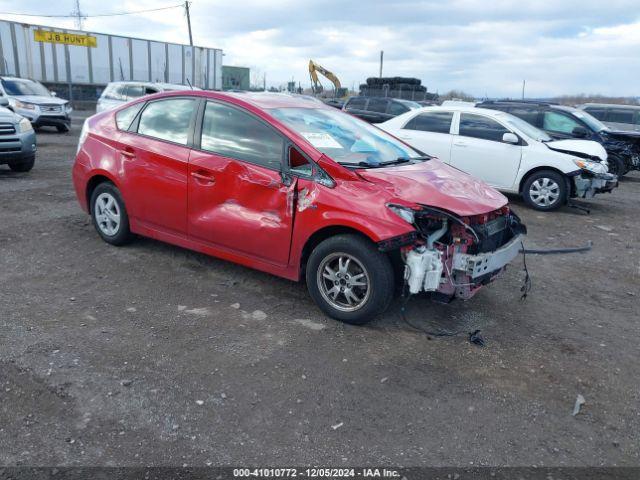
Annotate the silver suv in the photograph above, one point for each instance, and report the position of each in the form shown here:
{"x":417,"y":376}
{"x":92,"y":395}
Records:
{"x":118,"y":93}
{"x":32,"y":100}
{"x":17,"y":141}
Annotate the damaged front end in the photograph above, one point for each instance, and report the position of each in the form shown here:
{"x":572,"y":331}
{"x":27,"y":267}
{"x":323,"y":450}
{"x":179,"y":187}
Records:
{"x":591,"y":179}
{"x":453,"y":256}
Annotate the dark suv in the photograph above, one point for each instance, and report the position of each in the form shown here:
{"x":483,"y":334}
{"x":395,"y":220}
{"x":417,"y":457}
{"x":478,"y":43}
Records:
{"x":562,"y":122}
{"x":378,"y":109}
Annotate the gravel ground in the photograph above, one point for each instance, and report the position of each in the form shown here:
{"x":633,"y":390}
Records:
{"x":154,"y":355}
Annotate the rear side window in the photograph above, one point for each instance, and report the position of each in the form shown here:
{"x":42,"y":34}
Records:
{"x":125,"y":116}
{"x":529,"y":115}
{"x":477,"y":126}
{"x":135,"y":91}
{"x":397,"y":108}
{"x":558,"y":122}
{"x":437,"y":122}
{"x":115,"y":91}
{"x":599,"y":113}
{"x":233,"y":133}
{"x":167,"y":120}
{"x":619,"y":115}
{"x":378,"y":105}
{"x":356,"y":103}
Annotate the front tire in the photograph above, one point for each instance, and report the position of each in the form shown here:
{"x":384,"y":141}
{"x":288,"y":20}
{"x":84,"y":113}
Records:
{"x":349,"y":279}
{"x":23,"y":165}
{"x":62,"y":128}
{"x":109,"y":215}
{"x":545,"y":190}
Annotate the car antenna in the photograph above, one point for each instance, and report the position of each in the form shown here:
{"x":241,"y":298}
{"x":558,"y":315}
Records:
{"x":190,"y":86}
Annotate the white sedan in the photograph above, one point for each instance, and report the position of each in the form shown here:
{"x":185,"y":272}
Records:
{"x":507,"y":153}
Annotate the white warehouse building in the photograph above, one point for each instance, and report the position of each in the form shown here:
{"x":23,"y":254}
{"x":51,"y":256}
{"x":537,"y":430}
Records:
{"x":57,"y":56}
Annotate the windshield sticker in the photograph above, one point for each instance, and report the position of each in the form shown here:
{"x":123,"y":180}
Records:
{"x":321,"y":140}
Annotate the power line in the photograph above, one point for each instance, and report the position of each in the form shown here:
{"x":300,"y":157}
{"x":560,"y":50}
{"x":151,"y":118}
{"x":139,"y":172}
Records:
{"x":117,"y":14}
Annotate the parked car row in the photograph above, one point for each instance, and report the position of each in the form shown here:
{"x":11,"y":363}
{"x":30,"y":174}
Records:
{"x":507,"y":153}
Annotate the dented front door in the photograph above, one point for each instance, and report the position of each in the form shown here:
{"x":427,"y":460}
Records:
{"x":239,"y":206}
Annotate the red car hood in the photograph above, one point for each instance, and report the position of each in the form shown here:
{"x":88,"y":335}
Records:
{"x":438,"y":185}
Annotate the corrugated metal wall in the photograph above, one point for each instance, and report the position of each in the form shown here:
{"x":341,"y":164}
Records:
{"x":114,"y":58}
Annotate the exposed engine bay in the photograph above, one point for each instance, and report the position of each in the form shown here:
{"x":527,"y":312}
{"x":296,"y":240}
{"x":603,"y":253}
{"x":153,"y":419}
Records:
{"x":455,"y":256}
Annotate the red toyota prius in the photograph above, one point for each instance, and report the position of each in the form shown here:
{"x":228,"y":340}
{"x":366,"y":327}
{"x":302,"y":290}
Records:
{"x":287,"y":185}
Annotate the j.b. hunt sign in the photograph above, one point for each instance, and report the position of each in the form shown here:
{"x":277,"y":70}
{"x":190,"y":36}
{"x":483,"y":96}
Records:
{"x":65,"y":38}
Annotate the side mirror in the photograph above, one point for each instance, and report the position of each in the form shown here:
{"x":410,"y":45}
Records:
{"x":4,"y":102}
{"x":580,"y":132}
{"x":53,"y":94}
{"x":511,"y":138}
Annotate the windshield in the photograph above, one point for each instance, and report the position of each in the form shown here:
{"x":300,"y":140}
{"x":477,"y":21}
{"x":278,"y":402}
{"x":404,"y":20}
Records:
{"x":526,"y":128}
{"x":24,"y":87}
{"x":346,"y":139}
{"x":590,"y":120}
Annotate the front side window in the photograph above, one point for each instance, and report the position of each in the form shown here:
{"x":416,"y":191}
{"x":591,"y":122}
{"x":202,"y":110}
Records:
{"x":436,"y":122}
{"x":396,"y":108}
{"x":232,"y":133}
{"x":125,"y":116}
{"x":346,"y":139}
{"x":356,"y":103}
{"x":478,"y":126}
{"x":377,"y":105}
{"x":167,"y":120}
{"x":557,"y":122}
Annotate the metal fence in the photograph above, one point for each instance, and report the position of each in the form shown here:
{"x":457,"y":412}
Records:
{"x":111,"y":58}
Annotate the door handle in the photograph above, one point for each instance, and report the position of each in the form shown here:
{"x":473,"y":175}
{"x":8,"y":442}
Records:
{"x":127,"y":152}
{"x":203,"y":177}
{"x":460,"y":144}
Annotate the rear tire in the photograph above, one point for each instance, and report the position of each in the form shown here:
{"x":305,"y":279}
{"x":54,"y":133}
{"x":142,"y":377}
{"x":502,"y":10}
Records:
{"x":545,"y":190}
{"x":109,"y":215}
{"x":23,"y":165}
{"x":349,"y":279}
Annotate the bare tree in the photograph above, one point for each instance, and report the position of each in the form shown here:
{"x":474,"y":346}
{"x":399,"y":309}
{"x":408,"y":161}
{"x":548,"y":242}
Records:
{"x":457,"y":95}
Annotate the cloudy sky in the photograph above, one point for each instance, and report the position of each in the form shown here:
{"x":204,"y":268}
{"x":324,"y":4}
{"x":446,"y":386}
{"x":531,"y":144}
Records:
{"x":480,"y":46}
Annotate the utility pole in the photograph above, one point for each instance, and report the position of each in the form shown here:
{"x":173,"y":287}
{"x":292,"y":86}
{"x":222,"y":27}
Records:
{"x":186,"y":9}
{"x":79,"y":15}
{"x":381,"y":58}
{"x":264,"y":82}
{"x":523,"y":84}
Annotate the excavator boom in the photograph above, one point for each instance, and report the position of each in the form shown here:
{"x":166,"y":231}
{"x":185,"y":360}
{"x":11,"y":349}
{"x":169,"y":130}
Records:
{"x":314,"y":69}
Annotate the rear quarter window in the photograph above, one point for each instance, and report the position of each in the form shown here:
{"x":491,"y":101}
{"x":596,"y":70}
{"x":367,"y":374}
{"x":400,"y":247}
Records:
{"x":125,"y":116}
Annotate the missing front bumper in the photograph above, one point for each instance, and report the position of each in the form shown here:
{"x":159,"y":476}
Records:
{"x":587,"y":186}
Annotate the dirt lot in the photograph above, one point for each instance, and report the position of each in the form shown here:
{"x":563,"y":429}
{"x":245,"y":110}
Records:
{"x":153,"y":355}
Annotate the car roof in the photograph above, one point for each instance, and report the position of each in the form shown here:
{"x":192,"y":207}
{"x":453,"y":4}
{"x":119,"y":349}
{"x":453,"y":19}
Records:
{"x":611,"y":105}
{"x":260,"y":100}
{"x":461,"y":108}
{"x":10,"y":77}
{"x":168,"y":86}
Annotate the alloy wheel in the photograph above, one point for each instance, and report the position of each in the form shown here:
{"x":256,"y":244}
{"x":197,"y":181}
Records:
{"x":343,"y":282}
{"x":107,"y":213}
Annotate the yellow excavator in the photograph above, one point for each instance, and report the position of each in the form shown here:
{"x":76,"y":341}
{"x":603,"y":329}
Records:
{"x":316,"y":86}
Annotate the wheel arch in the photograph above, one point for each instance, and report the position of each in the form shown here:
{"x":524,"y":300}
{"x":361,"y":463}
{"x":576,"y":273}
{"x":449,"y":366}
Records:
{"x":535,"y":170}
{"x":93,"y":182}
{"x":322,"y":234}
